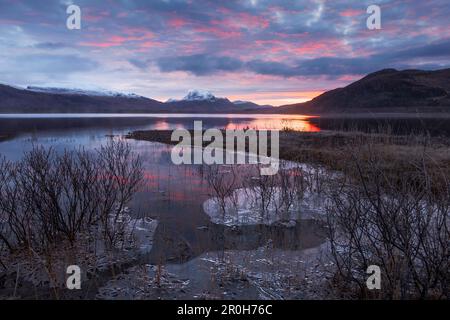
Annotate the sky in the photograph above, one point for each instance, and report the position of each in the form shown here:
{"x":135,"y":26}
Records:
{"x":267,"y":51}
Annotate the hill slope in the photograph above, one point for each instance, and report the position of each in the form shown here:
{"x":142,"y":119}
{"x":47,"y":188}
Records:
{"x":56,"y":100}
{"x":386,"y":90}
{"x":13,"y":100}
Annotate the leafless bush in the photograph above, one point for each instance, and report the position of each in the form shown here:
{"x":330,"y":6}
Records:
{"x":317,"y":179}
{"x":222,"y":182}
{"x":120,"y":176}
{"x":264,"y":188}
{"x":400,"y":224}
{"x":291,"y":190}
{"x":47,"y":197}
{"x":300,"y":184}
{"x":6,"y":171}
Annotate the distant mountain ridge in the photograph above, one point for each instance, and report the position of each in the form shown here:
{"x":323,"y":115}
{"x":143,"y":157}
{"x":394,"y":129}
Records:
{"x":15,"y":100}
{"x":386,"y":90}
{"x":63,"y":100}
{"x":76,"y":91}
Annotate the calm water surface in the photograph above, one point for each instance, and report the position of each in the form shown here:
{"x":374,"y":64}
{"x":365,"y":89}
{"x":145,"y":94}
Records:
{"x":174,"y":194}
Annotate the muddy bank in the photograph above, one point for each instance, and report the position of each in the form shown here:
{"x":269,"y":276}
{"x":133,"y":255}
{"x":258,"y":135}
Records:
{"x":264,"y":273}
{"x":171,"y":269}
{"x":29,"y":274}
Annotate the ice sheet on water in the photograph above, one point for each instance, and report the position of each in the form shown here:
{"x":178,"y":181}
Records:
{"x":245,"y":207}
{"x":136,"y":231}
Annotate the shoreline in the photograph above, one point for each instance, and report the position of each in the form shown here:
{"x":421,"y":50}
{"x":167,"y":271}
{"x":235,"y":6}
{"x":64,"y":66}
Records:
{"x":5,"y":137}
{"x":336,"y":150}
{"x":351,"y":114}
{"x":307,"y":141}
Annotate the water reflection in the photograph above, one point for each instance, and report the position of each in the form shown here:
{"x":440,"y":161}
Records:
{"x":297,"y":124}
{"x":110,"y":124}
{"x":17,"y":124}
{"x":175,"y":194}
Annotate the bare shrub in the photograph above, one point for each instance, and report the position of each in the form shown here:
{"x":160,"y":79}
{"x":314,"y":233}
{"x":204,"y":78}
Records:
{"x":120,"y":176}
{"x":222,"y":182}
{"x":396,"y":221}
{"x":47,"y":197}
{"x":300,"y":184}
{"x":291,"y":190}
{"x":264,"y":188}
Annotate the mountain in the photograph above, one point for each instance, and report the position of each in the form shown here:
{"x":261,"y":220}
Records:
{"x":387,"y":90}
{"x":250,"y":105}
{"x":16,"y":100}
{"x":102,"y":93}
{"x":63,"y":100}
{"x":204,"y":101}
{"x":197,"y":95}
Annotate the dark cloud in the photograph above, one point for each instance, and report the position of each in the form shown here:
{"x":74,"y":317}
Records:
{"x":363,"y":65}
{"x":441,"y":49}
{"x":203,"y":64}
{"x":336,"y":66}
{"x":271,"y":68}
{"x":53,"y":64}
{"x":331,"y":67}
{"x":51,"y":45}
{"x":140,"y":64}
{"x":199,"y":64}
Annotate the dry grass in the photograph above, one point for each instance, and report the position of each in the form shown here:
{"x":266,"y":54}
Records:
{"x":398,"y":156}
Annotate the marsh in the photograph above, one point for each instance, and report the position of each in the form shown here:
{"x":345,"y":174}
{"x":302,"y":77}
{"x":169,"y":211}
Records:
{"x":190,"y":253}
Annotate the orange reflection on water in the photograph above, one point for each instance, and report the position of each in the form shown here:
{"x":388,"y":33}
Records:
{"x":279,"y":122}
{"x":162,"y":125}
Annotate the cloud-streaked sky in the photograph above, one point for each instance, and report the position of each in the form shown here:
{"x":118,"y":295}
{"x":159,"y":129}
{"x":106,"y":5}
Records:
{"x":267,"y":51}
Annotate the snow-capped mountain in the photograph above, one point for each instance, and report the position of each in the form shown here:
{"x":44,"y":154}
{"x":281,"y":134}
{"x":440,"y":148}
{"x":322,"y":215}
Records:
{"x":205,"y":101}
{"x":75,"y":91}
{"x":55,"y":100}
{"x":197,"y":95}
{"x":51,"y":99}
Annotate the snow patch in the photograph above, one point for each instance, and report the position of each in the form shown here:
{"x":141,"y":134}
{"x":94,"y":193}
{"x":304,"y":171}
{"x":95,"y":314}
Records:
{"x":199,"y":95}
{"x":75,"y":91}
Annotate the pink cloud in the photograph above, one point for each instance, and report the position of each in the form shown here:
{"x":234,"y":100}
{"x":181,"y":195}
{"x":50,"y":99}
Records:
{"x":245,"y":20}
{"x":143,"y":37}
{"x":91,"y":15}
{"x":351,"y":13}
{"x":281,"y":49}
{"x":177,"y":22}
{"x":218,"y":32}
